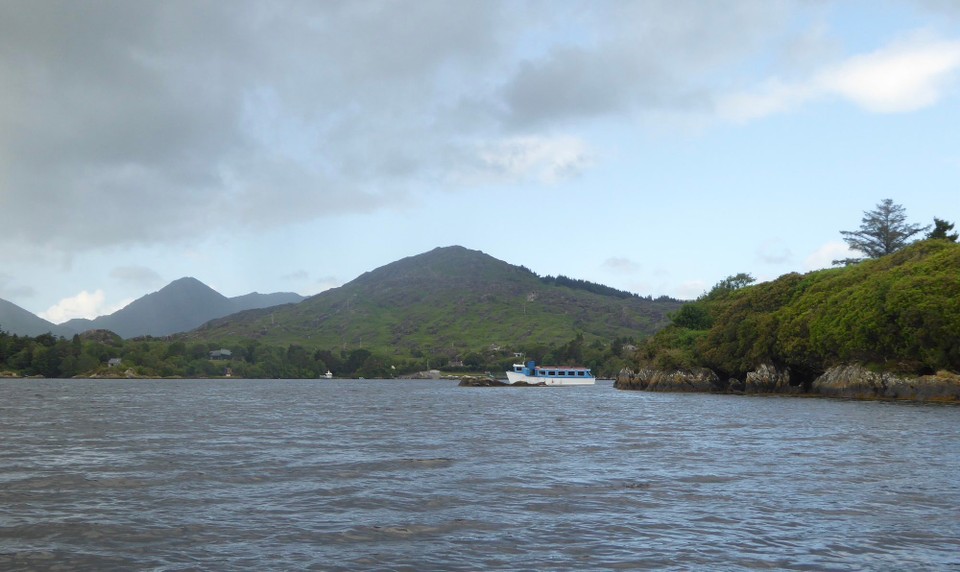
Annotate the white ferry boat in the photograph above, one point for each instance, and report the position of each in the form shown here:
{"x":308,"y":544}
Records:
{"x":550,"y":375}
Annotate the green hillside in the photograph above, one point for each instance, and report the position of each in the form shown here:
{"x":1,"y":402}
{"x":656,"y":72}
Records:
{"x":898,"y":313}
{"x":447,"y":302}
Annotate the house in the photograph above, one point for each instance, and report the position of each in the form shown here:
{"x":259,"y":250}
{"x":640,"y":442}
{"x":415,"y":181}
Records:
{"x":114,"y":362}
{"x":221,"y":354}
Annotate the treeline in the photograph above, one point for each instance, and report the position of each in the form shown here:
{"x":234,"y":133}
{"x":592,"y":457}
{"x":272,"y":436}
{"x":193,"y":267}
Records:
{"x":899,"y":312}
{"x":578,"y":284}
{"x":104,"y":354}
{"x":593,"y":287}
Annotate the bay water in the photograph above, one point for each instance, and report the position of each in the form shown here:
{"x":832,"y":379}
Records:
{"x":424,"y":475}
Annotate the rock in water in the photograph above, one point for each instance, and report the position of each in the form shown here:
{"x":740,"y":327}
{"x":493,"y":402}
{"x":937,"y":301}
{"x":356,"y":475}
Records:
{"x":480,"y":381}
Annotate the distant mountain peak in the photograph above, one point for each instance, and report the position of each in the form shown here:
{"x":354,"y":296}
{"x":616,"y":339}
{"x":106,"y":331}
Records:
{"x":180,"y":306}
{"x":187,"y":282}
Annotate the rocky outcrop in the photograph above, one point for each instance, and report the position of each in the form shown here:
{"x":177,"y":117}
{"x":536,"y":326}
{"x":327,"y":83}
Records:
{"x":480,"y":381}
{"x":768,"y":379}
{"x":850,"y":381}
{"x":693,"y":380}
{"x":627,"y":379}
{"x":857,"y":382}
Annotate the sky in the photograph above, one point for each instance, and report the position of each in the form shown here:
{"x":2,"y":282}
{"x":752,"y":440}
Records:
{"x":655,"y":146}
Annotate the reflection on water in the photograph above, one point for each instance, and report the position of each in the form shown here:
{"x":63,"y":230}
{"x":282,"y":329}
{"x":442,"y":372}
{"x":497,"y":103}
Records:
{"x":419,"y":475}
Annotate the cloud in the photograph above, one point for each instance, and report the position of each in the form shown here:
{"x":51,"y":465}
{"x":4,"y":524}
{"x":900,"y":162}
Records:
{"x":325,"y":283}
{"x":824,"y":256}
{"x":689,"y":290}
{"x":310,"y":286}
{"x":135,"y":123}
{"x":621,"y":265}
{"x":84,"y":305}
{"x":139,"y":123}
{"x":904,"y":76}
{"x":139,"y":276}
{"x":9,"y":289}
{"x":627,"y":59}
{"x":774,"y":251}
{"x":544,"y":159}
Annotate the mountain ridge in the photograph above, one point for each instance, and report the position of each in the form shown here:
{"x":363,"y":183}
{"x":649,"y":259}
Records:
{"x":17,"y":320}
{"x":448,"y":300}
{"x":180,"y":306}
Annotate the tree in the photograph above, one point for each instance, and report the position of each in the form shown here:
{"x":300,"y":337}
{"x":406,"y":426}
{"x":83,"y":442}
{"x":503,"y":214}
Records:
{"x":729,"y":284}
{"x":693,"y":316}
{"x":941,"y":230}
{"x":883,"y":231}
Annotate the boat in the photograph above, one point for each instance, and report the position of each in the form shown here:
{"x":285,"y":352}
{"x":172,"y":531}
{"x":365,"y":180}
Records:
{"x":533,"y":374}
{"x":328,"y":375}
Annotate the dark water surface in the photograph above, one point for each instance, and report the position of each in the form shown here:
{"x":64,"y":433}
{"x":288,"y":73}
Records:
{"x":424,"y":475}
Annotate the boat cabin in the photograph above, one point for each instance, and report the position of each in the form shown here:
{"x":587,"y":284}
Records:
{"x":559,"y":371}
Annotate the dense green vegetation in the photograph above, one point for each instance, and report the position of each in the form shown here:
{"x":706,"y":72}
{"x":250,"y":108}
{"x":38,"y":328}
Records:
{"x":899,"y":312}
{"x":90,"y":355}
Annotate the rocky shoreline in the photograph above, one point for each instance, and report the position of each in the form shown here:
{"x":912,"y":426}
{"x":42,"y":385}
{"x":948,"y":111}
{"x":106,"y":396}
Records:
{"x":849,"y":381}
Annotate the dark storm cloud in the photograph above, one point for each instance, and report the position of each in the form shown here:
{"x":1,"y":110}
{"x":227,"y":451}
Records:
{"x":144,"y":122}
{"x":649,"y":56}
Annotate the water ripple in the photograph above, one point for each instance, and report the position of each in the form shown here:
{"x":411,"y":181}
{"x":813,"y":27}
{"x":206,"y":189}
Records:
{"x":383,"y":475}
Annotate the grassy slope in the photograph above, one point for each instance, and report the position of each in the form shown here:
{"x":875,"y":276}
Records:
{"x":447,"y":300}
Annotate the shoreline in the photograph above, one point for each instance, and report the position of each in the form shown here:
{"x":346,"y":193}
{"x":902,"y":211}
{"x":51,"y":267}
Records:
{"x":851,"y":381}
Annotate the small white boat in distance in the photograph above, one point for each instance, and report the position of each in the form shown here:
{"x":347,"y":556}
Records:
{"x":550,"y":375}
{"x":328,"y":375}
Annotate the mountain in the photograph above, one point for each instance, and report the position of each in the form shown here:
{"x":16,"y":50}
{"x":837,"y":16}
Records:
{"x":16,"y":320}
{"x":256,"y":300}
{"x":179,"y":306}
{"x":450,"y":300}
